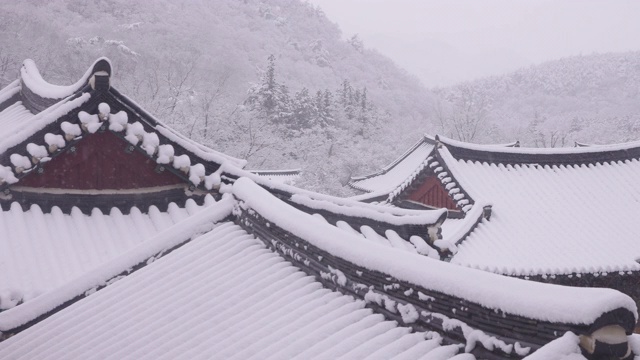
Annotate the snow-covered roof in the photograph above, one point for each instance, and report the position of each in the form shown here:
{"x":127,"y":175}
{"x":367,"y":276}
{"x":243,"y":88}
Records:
{"x":539,"y":211}
{"x":251,"y":274}
{"x":551,"y":219}
{"x":393,"y":174}
{"x":222,"y":292}
{"x":40,"y":252}
{"x":223,"y":295}
{"x":44,"y":246}
{"x":406,"y":229}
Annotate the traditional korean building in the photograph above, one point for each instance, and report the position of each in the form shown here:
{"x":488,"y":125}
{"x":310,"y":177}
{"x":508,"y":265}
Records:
{"x":187,"y":255}
{"x":567,"y":216}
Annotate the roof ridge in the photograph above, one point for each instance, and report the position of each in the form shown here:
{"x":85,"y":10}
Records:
{"x":425,"y":139}
{"x":285,"y":171}
{"x":552,"y":156}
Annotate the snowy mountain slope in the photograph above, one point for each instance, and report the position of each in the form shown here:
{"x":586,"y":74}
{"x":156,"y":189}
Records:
{"x":589,"y":99}
{"x":192,"y":63}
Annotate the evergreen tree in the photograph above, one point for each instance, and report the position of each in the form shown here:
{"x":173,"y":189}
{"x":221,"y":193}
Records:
{"x":363,"y":106}
{"x":304,"y":110}
{"x":270,"y":99}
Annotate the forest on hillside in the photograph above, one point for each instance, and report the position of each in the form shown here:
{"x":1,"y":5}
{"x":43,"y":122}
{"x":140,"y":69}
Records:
{"x":200,"y":66}
{"x":590,"y":99}
{"x":278,"y":84}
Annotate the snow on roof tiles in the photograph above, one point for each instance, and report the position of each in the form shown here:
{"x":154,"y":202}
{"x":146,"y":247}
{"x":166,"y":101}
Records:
{"x":395,"y":173}
{"x":12,"y":118}
{"x":40,"y":252}
{"x":551,"y":219}
{"x":510,"y":295}
{"x":23,"y":125}
{"x":223,"y":295}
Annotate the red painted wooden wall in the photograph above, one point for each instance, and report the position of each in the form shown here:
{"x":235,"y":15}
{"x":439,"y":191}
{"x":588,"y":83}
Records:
{"x":100,"y":162}
{"x":432,"y":193}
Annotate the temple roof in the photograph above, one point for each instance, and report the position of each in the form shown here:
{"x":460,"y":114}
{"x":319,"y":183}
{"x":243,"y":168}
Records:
{"x":257,"y":268}
{"x":230,"y":286}
{"x":530,"y":211}
{"x":43,"y":121}
{"x":223,"y":295}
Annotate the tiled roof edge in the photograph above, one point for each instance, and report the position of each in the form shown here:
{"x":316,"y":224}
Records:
{"x":543,"y":156}
{"x":473,"y":218}
{"x":354,"y":179}
{"x":290,"y":172}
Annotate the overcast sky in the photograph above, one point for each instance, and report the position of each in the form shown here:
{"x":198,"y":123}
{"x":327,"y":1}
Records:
{"x":443,"y":42}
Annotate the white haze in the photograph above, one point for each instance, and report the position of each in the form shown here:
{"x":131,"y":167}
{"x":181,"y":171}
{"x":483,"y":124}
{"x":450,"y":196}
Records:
{"x":445,"y":42}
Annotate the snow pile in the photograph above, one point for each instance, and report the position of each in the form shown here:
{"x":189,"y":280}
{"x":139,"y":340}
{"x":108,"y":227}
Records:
{"x":196,"y":174}
{"x":9,"y":299}
{"x":150,"y":142}
{"x":20,"y":162}
{"x":90,"y":123}
{"x":71,"y":130}
{"x":103,"y":111}
{"x":408,"y":312}
{"x":118,"y":121}
{"x":9,"y":91}
{"x":565,"y":347}
{"x":135,"y":133}
{"x":7,"y":176}
{"x":37,"y":152}
{"x":165,"y":154}
{"x":54,"y":142}
{"x":423,"y":248}
{"x":182,"y":162}
{"x":212,"y":181}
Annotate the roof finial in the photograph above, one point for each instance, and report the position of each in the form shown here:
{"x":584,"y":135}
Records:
{"x":101,"y":75}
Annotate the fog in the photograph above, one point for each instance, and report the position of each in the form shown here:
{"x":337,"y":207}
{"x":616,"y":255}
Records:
{"x":444,"y":42}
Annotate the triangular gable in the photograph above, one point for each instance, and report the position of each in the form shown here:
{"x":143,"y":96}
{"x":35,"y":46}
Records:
{"x":97,"y":139}
{"x":433,"y":185}
{"x":431,"y":192}
{"x":101,"y":161}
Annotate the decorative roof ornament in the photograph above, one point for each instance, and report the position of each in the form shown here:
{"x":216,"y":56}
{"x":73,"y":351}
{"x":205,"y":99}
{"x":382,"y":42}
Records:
{"x":101,"y":74}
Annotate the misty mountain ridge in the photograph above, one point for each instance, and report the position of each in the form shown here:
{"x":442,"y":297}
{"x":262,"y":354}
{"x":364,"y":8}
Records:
{"x":587,"y":99}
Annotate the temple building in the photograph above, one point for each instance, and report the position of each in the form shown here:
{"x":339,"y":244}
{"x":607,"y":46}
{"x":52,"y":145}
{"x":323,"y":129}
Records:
{"x":120,"y":238}
{"x":567,"y":216}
